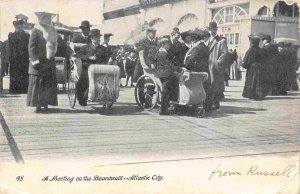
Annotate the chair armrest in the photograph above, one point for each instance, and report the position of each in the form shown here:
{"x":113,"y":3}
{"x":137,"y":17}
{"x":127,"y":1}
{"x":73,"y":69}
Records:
{"x":142,"y":60}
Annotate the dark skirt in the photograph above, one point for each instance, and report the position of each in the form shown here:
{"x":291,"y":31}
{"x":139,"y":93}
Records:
{"x":253,"y":88}
{"x":18,"y":79}
{"x":42,"y":90}
{"x":122,"y":70}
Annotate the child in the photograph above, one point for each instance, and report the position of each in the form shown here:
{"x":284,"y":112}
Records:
{"x":129,"y":67}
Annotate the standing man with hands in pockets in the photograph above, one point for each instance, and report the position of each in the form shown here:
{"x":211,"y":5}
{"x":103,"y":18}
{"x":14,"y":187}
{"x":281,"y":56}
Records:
{"x":217,"y":59}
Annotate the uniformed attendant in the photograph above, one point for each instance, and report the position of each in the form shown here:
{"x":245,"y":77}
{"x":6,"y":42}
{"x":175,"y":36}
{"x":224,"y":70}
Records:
{"x":166,"y":72}
{"x":84,"y":37}
{"x":93,"y":53}
{"x":149,"y":46}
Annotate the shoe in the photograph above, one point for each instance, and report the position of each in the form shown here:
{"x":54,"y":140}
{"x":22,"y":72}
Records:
{"x":131,"y":85}
{"x":164,"y":113}
{"x":216,"y":105}
{"x":38,"y":109}
{"x":46,"y":107}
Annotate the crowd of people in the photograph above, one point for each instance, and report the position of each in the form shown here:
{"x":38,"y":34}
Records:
{"x":271,"y":70}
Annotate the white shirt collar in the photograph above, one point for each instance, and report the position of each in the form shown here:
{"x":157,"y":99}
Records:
{"x":163,"y":50}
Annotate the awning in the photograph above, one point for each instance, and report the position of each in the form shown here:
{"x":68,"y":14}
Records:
{"x":287,"y":40}
{"x":290,"y":2}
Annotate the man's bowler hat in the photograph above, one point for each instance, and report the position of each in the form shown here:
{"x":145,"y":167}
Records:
{"x":85,"y":24}
{"x":212,"y":25}
{"x":95,"y":32}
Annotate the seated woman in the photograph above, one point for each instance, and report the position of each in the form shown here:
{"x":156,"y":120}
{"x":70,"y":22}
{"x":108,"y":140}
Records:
{"x":93,"y":53}
{"x":196,"y":60}
{"x":166,"y":71}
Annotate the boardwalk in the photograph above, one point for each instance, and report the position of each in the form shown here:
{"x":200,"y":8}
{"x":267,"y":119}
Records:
{"x":241,"y":127}
{"x":182,"y":152}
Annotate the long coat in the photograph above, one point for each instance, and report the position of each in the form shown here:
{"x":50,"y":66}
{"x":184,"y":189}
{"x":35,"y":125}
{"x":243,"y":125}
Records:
{"x":217,"y":60}
{"x":42,"y":89}
{"x":19,"y":61}
{"x":270,"y":60}
{"x":254,"y":88}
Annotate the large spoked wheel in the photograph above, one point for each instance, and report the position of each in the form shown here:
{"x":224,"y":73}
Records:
{"x":146,"y":93}
{"x":71,"y":86}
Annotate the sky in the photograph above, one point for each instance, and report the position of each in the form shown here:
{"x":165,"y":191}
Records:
{"x":71,"y":12}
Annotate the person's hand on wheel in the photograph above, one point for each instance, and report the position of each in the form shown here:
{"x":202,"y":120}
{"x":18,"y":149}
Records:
{"x":93,"y":58}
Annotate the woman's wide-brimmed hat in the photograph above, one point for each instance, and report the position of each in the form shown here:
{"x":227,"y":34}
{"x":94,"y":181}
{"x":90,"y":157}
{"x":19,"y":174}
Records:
{"x":85,"y":24}
{"x":200,"y":33}
{"x":44,"y":14}
{"x":95,"y":32}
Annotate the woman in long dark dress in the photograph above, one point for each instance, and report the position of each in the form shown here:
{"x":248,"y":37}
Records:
{"x":42,"y":89}
{"x":254,"y":88}
{"x":18,"y":59}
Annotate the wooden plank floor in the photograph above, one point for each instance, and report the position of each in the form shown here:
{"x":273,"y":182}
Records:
{"x":240,"y":127}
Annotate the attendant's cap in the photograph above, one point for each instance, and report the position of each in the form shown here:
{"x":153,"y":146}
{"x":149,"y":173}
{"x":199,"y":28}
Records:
{"x":175,"y":30}
{"x":150,"y":30}
{"x":85,"y":24}
{"x":95,"y":32}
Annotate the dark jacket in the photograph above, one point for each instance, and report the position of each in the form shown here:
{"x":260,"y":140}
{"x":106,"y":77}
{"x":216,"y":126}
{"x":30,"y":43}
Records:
{"x":18,"y":47}
{"x":177,"y":53}
{"x":90,"y":50}
{"x":78,"y":38}
{"x":164,"y":65}
{"x":37,"y":51}
{"x":197,"y":58}
{"x":150,"y":49}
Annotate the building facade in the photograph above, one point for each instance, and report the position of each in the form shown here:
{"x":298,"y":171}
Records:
{"x":236,"y":18}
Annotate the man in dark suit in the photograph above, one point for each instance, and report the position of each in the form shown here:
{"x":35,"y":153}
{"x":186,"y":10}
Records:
{"x":106,"y":43}
{"x":91,"y":53}
{"x":196,"y":59}
{"x":166,"y":73}
{"x":178,"y":49}
{"x":84,"y":37}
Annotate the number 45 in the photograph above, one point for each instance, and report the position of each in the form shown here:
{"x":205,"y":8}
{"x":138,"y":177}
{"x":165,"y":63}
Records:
{"x":20,"y":178}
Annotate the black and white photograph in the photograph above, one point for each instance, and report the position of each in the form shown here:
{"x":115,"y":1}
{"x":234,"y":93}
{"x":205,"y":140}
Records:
{"x":149,"y":96}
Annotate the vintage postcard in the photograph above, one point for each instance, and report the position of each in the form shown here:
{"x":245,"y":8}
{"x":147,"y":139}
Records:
{"x":149,"y":96}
